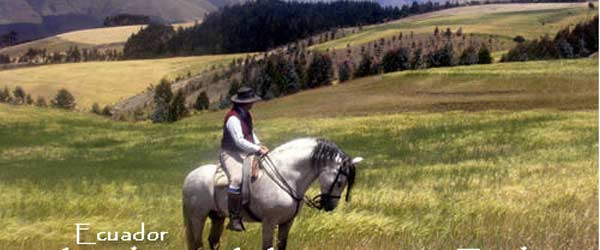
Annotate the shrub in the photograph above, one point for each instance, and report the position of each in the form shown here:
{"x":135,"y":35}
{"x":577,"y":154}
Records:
{"x":41,"y":102}
{"x":64,"y":99}
{"x":485,"y":57}
{"x":28,"y":99}
{"x":96,"y":109}
{"x":106,"y":111}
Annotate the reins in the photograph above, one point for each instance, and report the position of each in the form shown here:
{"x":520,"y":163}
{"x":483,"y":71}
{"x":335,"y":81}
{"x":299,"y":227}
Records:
{"x":276,"y":176}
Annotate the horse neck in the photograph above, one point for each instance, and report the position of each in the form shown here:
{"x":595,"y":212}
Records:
{"x":296,"y":169}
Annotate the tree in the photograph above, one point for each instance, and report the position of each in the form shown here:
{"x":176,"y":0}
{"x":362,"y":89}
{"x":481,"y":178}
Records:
{"x":202,"y":101}
{"x":469,"y":56}
{"x":162,"y":101}
{"x":395,"y":60}
{"x":41,"y":102}
{"x":443,"y":57}
{"x":365,"y":67}
{"x":177,"y":109}
{"x":417,"y":61}
{"x":5,"y":95}
{"x":19,"y":95}
{"x":106,"y":111}
{"x":64,"y":100}
{"x":149,"y":42}
{"x":320,"y":71}
{"x":485,"y":57}
{"x":344,"y":71}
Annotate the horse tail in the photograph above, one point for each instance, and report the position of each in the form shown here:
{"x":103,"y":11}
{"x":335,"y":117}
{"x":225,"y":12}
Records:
{"x":189,"y":229}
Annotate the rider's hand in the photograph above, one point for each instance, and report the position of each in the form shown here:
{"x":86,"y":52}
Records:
{"x":263,"y":150}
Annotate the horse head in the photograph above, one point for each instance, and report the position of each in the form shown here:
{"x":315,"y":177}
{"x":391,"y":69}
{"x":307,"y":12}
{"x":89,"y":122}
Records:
{"x":336,"y":171}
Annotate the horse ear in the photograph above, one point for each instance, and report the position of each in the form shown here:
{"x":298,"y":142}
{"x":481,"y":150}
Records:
{"x":357,"y":160}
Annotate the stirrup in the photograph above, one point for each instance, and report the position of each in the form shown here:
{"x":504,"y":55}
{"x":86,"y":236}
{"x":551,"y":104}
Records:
{"x":239,"y":222}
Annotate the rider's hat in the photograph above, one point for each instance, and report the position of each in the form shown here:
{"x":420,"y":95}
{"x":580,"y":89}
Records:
{"x":245,"y":95}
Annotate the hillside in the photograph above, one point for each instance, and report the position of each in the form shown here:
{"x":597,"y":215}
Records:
{"x":105,"y":82}
{"x":502,"y":21}
{"x":511,"y":155}
{"x":39,"y":18}
{"x":100,"y":38}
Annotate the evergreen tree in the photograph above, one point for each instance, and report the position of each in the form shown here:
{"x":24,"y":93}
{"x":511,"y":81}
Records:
{"x":344,"y":71}
{"x":417,"y":61}
{"x":485,"y":57}
{"x":162,"y":101}
{"x":469,"y":56}
{"x":177,"y":108}
{"x":395,"y":60}
{"x":64,"y":100}
{"x":19,"y":95}
{"x":5,"y":95}
{"x":365,"y":67}
{"x":202,"y":101}
{"x":320,"y":71}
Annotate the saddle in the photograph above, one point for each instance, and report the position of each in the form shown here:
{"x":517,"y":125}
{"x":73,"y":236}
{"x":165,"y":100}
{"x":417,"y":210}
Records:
{"x":250,"y":171}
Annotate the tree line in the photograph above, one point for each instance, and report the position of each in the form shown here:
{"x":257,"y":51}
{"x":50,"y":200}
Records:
{"x":580,"y":41}
{"x":262,"y":25}
{"x":125,"y":19}
{"x":71,"y":55}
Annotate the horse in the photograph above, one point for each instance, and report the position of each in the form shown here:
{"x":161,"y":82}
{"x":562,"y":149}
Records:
{"x":277,"y":193}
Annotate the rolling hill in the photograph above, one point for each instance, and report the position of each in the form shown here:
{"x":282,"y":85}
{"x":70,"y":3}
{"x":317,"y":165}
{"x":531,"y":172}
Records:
{"x":40,"y":18}
{"x":511,"y":155}
{"x":503,"y":21}
{"x":105,"y":82}
{"x":100,"y":38}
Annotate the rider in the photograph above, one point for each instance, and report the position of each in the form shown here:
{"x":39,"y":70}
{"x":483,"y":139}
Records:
{"x":238,"y":141}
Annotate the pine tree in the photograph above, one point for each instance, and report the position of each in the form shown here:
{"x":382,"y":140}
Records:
{"x":469,"y":56}
{"x":320,"y":71}
{"x":162,"y":101}
{"x":344,"y":71}
{"x":19,"y":95}
{"x":202,"y":101}
{"x":365,"y":67}
{"x":485,"y":57}
{"x":177,"y":108}
{"x":64,"y":99}
{"x":5,"y":95}
{"x":417,"y":61}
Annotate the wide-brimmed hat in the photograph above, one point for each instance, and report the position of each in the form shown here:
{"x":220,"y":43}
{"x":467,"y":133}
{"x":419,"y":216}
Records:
{"x":245,"y":95}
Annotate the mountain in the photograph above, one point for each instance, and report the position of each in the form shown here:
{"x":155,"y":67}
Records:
{"x":38,"y":18}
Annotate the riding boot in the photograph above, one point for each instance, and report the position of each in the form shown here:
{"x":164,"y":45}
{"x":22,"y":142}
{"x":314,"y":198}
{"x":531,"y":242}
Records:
{"x":234,"y":202}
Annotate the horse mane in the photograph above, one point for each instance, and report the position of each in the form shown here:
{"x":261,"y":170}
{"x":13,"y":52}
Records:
{"x":327,"y":151}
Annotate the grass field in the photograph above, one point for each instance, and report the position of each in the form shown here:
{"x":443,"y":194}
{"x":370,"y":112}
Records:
{"x":105,"y":82}
{"x":501,"y":20}
{"x":516,"y":173}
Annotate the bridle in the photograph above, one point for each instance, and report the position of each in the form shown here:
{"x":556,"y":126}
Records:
{"x":315,"y":202}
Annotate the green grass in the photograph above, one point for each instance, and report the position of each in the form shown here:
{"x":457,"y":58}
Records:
{"x":493,"y":177}
{"x":504,"y":21}
{"x":105,"y":82}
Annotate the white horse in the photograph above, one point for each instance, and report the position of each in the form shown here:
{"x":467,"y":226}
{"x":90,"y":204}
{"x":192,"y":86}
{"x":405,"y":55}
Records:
{"x":277,"y":193}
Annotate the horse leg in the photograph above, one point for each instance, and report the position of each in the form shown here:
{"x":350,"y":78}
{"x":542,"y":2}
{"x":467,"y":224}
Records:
{"x":267,"y":235}
{"x":216,"y":229}
{"x":194,"y":225}
{"x":282,"y":234}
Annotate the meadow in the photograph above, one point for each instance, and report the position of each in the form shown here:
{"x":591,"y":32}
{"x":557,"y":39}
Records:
{"x":492,"y":168}
{"x":503,"y":21}
{"x":106,"y":82}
